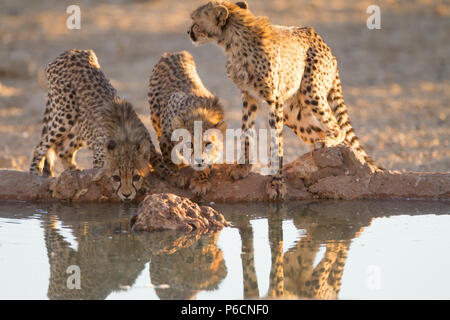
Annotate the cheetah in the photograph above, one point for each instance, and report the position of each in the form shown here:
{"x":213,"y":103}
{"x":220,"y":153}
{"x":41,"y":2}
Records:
{"x":178,"y":99}
{"x":83,"y":110}
{"x":290,"y":68}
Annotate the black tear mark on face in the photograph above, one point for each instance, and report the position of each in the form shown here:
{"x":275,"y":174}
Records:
{"x":191,"y":34}
{"x":111,"y":145}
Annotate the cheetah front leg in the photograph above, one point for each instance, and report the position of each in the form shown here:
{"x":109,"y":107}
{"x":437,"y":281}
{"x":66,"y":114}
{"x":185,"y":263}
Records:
{"x":164,"y":166}
{"x":276,"y":187}
{"x":167,"y":172}
{"x":250,"y":106}
{"x":200,"y":184}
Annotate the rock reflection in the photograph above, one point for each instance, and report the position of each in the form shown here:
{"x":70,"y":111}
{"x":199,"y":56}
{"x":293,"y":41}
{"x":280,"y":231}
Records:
{"x":186,"y":265}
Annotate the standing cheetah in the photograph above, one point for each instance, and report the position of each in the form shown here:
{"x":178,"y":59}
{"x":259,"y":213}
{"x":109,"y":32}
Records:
{"x":290,"y":68}
{"x":178,"y":99}
{"x":83,"y":109}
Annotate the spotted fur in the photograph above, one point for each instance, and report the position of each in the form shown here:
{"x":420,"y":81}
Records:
{"x":290,"y":68}
{"x":177,"y":99}
{"x":83,"y":110}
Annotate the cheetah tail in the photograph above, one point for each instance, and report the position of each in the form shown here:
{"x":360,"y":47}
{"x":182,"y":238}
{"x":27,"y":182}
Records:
{"x":337,"y":105}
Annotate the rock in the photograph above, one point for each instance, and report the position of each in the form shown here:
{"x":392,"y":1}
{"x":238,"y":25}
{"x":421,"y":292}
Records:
{"x":166,"y":211}
{"x":86,"y":185}
{"x":341,"y":187}
{"x":410,"y":185}
{"x":16,"y":185}
{"x":324,"y":158}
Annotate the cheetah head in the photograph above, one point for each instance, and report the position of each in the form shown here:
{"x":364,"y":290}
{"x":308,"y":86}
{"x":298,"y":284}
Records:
{"x":210,"y":20}
{"x":206,"y":149}
{"x":127,"y":165}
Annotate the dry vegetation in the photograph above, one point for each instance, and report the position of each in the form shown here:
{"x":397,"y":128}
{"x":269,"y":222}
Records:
{"x":396,"y":80}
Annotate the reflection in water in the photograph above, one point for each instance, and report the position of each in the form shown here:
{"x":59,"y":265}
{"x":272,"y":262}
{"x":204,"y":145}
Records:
{"x":111,"y":258}
{"x":242,"y":222}
{"x":322,"y":281}
{"x":329,"y":225}
{"x":188,"y":270}
{"x":294,"y":274}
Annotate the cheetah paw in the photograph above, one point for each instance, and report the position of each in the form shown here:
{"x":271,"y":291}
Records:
{"x":179,"y":180}
{"x":318,"y":145}
{"x":240,"y":171}
{"x":101,"y":173}
{"x":276,"y":189}
{"x":200,"y":187}
{"x":145,"y":187}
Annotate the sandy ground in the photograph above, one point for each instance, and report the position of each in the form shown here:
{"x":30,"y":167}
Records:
{"x":396,"y":80}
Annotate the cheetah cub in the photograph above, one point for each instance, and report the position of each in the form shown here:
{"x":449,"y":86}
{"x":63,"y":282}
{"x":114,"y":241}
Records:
{"x":290,"y":68}
{"x":83,"y":110}
{"x":178,"y":100}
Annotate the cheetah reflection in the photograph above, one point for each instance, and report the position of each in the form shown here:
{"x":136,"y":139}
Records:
{"x":109,"y":257}
{"x":294,"y":274}
{"x":193,"y":264}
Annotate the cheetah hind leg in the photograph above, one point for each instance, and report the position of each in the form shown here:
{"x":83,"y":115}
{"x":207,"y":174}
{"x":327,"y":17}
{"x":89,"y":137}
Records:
{"x":276,"y":187}
{"x":48,"y":168}
{"x":167,"y":171}
{"x":67,"y":151}
{"x":39,"y":155}
{"x":312,"y":131}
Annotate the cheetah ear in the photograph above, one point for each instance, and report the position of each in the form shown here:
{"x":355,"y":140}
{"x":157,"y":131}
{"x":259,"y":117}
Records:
{"x":143,"y":148}
{"x":177,"y":123}
{"x":242,"y":5}
{"x":221,"y":125}
{"x":222,"y":14}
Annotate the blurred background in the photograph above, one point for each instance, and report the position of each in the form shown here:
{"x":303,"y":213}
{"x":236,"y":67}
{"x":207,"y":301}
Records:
{"x":396,"y":80}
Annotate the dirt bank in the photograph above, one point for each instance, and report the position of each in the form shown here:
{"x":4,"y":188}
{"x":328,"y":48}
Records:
{"x":334,"y":173}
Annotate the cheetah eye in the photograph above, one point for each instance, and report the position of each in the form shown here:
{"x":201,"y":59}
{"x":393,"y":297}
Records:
{"x":136,"y":178}
{"x":116,"y":178}
{"x":208,"y":146}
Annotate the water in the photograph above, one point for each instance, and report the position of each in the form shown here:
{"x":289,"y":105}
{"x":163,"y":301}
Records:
{"x":325,"y":250}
